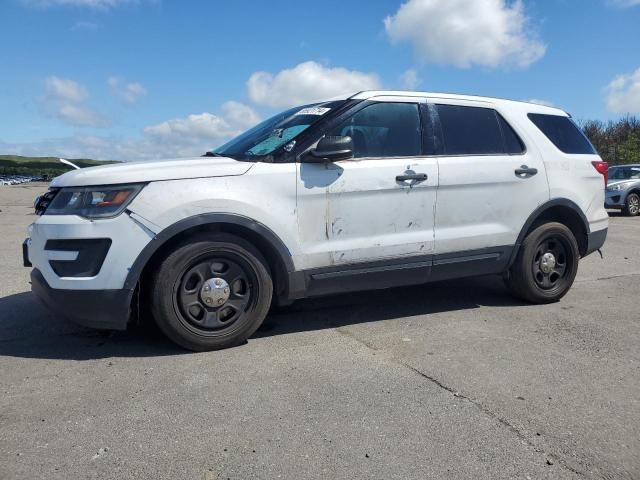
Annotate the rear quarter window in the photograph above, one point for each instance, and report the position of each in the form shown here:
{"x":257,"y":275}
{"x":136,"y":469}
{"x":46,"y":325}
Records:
{"x":563,"y":133}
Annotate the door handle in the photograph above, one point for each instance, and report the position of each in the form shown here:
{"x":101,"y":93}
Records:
{"x":416,"y":177}
{"x":524,"y":171}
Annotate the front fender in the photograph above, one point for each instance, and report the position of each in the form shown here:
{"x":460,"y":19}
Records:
{"x":205,"y":219}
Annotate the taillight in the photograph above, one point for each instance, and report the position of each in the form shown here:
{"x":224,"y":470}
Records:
{"x":603,"y":169}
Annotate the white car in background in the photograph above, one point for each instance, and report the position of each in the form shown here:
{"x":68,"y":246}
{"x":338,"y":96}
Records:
{"x":370,"y":191}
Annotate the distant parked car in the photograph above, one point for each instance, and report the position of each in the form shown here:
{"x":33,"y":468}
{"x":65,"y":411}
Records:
{"x":623,"y":189}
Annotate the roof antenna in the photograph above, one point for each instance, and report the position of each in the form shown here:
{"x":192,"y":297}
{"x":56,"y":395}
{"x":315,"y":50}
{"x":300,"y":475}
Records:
{"x":67,"y":162}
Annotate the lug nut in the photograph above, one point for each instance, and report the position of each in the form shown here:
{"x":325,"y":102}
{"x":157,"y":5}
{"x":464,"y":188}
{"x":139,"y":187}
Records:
{"x":207,"y":300}
{"x":220,"y":301}
{"x":226,"y":290}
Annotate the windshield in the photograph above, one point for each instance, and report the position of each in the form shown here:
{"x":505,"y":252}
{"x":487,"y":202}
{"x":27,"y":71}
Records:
{"x":624,"y":173}
{"x":266,"y":137}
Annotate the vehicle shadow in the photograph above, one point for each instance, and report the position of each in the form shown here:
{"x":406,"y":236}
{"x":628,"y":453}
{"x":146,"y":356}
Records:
{"x":387,"y":305}
{"x":29,"y":330}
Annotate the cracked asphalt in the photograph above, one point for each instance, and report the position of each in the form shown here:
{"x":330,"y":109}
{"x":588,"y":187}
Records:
{"x":449,"y":380}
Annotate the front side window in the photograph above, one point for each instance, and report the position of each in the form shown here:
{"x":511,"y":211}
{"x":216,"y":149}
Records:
{"x":563,"y":133}
{"x":475,"y":131}
{"x":383,"y":130}
{"x":266,"y":137}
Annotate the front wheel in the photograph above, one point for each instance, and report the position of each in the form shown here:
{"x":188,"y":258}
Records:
{"x":546,"y":265}
{"x":211,"y":293}
{"x":632,"y":205}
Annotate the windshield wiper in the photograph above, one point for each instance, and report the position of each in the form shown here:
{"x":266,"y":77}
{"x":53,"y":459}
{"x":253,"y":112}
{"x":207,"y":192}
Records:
{"x":213,"y":154}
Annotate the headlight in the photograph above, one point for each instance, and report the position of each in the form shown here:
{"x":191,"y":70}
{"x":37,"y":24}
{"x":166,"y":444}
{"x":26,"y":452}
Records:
{"x":614,"y":188}
{"x":93,"y":202}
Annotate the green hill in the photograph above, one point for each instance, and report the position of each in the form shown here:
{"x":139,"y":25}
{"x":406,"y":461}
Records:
{"x":47,"y":167}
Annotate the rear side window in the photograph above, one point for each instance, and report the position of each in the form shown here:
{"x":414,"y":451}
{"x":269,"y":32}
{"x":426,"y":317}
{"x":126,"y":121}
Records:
{"x":563,"y":133}
{"x":476,"y":131}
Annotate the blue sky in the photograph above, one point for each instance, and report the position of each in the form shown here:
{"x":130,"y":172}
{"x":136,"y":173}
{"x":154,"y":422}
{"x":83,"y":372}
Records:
{"x":136,"y":79}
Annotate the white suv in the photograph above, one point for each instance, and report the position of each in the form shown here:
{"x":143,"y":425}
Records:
{"x":369,"y":191}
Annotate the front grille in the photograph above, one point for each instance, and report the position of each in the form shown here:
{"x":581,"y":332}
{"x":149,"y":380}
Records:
{"x":45,"y":200}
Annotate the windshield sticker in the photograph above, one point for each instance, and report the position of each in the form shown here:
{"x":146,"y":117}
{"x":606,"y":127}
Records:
{"x":313,"y":111}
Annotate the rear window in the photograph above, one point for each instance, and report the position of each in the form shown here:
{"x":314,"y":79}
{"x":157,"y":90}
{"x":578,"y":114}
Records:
{"x":476,"y":131}
{"x":563,"y":133}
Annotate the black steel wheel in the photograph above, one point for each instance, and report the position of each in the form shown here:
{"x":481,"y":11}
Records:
{"x":549,"y":264}
{"x":214,"y":291}
{"x":546,"y":265}
{"x":211,"y":293}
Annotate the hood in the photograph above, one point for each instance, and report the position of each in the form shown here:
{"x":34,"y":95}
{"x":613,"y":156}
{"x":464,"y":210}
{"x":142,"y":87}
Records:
{"x":611,"y":183}
{"x":152,"y":171}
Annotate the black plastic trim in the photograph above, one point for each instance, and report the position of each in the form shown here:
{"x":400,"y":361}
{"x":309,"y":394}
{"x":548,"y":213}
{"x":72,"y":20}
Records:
{"x":595,"y":240}
{"x":102,"y":309}
{"x":485,"y":261}
{"x":397,"y":272}
{"x":556,"y":202}
{"x":91,"y":255}
{"x":205,"y":219}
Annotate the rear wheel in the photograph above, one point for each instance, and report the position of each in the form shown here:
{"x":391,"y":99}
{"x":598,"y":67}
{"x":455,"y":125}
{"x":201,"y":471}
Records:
{"x":211,"y":293}
{"x":546,"y":265}
{"x":632,"y":205}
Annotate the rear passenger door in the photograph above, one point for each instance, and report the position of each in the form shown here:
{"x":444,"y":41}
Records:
{"x":491,"y":178}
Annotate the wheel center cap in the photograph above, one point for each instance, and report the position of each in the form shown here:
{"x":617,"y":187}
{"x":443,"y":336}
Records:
{"x":547,"y":262}
{"x":215,"y":292}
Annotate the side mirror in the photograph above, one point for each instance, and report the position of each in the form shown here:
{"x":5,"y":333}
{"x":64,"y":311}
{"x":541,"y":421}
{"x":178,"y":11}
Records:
{"x":331,"y":149}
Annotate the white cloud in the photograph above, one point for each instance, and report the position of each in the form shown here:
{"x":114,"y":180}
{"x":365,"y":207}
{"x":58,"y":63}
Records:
{"x":410,"y":79}
{"x":66,"y":90}
{"x":544,"y":103}
{"x":66,"y":100}
{"x":623,"y":93}
{"x":193,"y":127}
{"x":95,"y":4}
{"x":623,"y":3}
{"x":80,"y":116}
{"x":240,"y":115}
{"x":305,"y":83}
{"x":203,"y":131}
{"x":189,"y":136}
{"x":491,"y":33}
{"x":127,"y":92}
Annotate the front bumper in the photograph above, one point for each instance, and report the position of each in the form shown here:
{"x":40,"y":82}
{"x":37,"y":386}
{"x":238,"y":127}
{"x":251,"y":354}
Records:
{"x":74,"y":253}
{"x":102,"y":309}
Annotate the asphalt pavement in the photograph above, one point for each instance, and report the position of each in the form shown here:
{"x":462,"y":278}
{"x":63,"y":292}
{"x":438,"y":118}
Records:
{"x":449,"y":380}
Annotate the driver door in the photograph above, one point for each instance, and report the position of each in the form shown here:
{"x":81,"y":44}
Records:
{"x":378,"y":206}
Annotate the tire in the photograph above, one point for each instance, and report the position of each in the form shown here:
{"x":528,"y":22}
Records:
{"x":212,"y":292}
{"x":546,"y":265}
{"x":632,"y":205}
